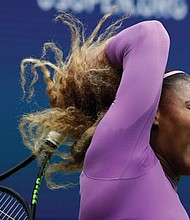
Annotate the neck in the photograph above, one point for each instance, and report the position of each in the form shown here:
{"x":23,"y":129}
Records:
{"x":169,"y":171}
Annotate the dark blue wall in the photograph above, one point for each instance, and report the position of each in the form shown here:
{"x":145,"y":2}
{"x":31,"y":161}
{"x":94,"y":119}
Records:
{"x":24,"y":27}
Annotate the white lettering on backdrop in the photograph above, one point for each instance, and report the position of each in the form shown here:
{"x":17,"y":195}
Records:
{"x":175,"y":9}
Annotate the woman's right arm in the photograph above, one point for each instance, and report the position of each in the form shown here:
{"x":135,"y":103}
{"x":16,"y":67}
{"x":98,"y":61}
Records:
{"x":141,"y":52}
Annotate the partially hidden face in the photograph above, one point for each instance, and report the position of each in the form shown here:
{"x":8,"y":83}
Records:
{"x":174,"y":125}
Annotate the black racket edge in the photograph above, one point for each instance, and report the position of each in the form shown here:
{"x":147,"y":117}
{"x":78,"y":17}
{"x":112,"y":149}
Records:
{"x":14,"y":169}
{"x":39,"y":178}
{"x":31,"y":210}
{"x":19,"y":198}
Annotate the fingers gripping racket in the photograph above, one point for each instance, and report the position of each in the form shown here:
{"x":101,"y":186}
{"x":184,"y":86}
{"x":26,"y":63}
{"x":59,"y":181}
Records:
{"x":12,"y":205}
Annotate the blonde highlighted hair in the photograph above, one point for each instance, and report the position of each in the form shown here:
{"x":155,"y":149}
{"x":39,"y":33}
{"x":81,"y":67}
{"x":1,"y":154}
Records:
{"x":80,"y":90}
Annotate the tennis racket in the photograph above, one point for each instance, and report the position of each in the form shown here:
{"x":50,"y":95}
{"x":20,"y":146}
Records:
{"x":12,"y":204}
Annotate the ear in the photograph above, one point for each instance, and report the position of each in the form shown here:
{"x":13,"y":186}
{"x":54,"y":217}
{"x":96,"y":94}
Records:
{"x":157,"y":118}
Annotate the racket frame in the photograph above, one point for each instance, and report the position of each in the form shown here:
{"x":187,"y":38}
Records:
{"x":31,"y":210}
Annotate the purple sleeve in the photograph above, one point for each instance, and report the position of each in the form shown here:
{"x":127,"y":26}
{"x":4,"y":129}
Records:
{"x":120,"y":145}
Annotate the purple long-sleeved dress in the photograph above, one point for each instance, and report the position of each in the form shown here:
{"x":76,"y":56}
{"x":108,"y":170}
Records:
{"x":122,"y":177}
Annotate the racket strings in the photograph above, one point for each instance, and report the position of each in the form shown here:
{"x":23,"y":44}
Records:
{"x":11,"y":208}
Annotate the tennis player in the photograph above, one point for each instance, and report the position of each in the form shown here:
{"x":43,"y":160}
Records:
{"x":129,"y":120}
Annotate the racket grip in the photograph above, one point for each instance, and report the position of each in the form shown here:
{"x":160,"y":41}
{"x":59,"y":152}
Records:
{"x":55,"y":138}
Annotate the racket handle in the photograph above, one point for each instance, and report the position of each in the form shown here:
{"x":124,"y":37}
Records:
{"x":55,"y":138}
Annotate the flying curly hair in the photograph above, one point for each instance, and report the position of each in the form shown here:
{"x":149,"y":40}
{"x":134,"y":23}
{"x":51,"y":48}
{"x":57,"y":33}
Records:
{"x":80,"y":88}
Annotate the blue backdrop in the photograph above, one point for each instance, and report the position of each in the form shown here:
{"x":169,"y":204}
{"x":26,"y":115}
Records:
{"x":24,"y":27}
